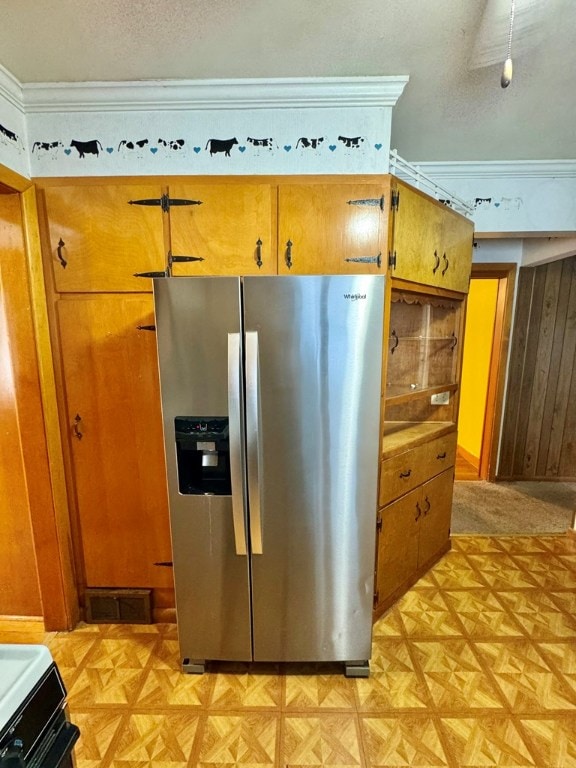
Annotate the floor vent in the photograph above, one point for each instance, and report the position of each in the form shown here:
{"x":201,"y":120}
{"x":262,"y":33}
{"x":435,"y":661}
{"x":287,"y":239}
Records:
{"x":118,"y":606}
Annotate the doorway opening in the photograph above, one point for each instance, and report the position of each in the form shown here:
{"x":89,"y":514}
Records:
{"x":487,"y":334}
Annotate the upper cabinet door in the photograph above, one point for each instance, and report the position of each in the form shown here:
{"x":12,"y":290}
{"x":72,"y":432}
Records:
{"x":222,"y":229}
{"x":333,"y":228}
{"x":432,"y":244}
{"x":99,"y":240}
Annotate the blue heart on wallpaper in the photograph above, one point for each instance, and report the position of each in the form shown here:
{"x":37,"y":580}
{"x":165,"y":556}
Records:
{"x":242,"y":149}
{"x":287,"y":147}
{"x":332,"y":147}
{"x":109,"y":150}
{"x":496,"y":205}
{"x":197,"y":149}
{"x":67,"y":151}
{"x":153,"y":150}
{"x":378,"y":146}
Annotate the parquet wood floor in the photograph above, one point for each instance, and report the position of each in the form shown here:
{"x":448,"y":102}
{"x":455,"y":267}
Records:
{"x":474,"y":666}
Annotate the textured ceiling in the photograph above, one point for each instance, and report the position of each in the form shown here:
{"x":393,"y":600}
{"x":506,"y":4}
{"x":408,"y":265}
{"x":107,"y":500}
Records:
{"x":448,"y":111}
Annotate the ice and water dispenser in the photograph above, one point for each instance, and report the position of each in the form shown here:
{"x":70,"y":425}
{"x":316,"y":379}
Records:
{"x":203,"y":455}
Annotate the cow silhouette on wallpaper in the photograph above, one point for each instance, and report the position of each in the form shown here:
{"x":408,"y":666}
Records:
{"x":46,"y":146}
{"x":9,"y":134}
{"x":309,"y":143}
{"x":351,"y":141}
{"x":221,"y":145}
{"x":268,"y":143}
{"x":176,"y":144}
{"x":84,"y":148}
{"x":124,"y":144}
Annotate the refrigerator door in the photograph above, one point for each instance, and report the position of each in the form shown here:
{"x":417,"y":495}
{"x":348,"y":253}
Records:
{"x":313,"y":374}
{"x":198,"y":322}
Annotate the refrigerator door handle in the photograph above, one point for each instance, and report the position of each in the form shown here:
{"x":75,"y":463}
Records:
{"x":253,"y":440}
{"x":235,"y":432}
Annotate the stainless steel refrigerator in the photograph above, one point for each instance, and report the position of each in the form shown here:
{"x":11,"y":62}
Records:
{"x":270,"y":397}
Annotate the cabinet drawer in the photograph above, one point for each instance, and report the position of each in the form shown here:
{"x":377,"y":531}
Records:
{"x":439,"y":454}
{"x":400,"y":474}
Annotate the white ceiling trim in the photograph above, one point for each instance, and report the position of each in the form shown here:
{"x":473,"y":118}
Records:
{"x":163,"y":95}
{"x":494,"y":169}
{"x":10,"y":89}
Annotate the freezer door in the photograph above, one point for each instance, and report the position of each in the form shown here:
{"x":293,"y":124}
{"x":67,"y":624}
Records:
{"x":198,"y":323}
{"x":313,"y":374}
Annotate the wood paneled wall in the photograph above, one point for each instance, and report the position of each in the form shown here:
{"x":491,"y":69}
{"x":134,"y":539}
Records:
{"x":539,"y":429}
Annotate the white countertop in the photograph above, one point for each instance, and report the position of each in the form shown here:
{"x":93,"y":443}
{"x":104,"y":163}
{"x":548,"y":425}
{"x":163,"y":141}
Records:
{"x":21,"y":667}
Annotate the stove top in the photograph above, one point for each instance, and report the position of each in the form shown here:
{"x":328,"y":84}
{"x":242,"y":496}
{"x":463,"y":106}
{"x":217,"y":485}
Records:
{"x":21,"y":668}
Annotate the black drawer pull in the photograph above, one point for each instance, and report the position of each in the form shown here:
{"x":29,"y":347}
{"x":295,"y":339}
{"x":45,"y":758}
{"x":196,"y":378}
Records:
{"x":419,"y":512}
{"x":288,"y":257}
{"x":441,"y":455}
{"x":61,"y":258}
{"x":447,"y":264}
{"x":428,"y":505}
{"x":436,"y":263}
{"x":406,"y":474}
{"x":259,"y":253}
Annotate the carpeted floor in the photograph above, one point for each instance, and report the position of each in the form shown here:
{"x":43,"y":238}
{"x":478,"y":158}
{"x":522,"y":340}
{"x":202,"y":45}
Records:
{"x":515,"y":507}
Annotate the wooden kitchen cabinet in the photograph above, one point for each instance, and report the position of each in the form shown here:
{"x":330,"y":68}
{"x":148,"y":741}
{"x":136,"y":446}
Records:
{"x":98,"y":240}
{"x":432,"y":244}
{"x":229,"y":229}
{"x":114,"y":435}
{"x":333,"y":228}
{"x":423,"y":358}
{"x":412,"y":533}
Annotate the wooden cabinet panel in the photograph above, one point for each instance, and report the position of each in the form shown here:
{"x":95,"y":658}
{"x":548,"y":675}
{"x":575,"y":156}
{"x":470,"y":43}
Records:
{"x":98,"y":241}
{"x":432,"y":245}
{"x":230,"y":229}
{"x":412,"y":531}
{"x":397,"y":556}
{"x":436,"y":505}
{"x":115,"y":436}
{"x":400,"y":473}
{"x":333,"y":228}
{"x":19,"y":585}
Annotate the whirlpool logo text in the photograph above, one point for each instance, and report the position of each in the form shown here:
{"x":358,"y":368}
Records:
{"x":354,"y":296}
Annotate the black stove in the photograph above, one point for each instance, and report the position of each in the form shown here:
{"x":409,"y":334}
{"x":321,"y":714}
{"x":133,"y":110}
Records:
{"x":35,"y":731}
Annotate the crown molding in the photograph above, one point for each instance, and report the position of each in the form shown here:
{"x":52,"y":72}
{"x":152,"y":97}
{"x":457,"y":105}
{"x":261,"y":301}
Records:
{"x":10,"y":89}
{"x":163,"y":95}
{"x":494,"y":169}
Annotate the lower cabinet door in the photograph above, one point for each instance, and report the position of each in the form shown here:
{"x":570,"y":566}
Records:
{"x":115,"y":438}
{"x":436,"y":505}
{"x":397,"y":545}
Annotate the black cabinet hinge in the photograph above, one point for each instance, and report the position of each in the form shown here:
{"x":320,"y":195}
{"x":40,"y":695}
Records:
{"x":392,"y":260}
{"x":376,"y":599}
{"x":366,"y":259}
{"x":165,"y":202}
{"x":378,"y":525}
{"x":395,"y":200}
{"x":372,"y":202}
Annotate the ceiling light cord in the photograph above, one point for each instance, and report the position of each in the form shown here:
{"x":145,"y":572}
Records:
{"x":506,"y":77}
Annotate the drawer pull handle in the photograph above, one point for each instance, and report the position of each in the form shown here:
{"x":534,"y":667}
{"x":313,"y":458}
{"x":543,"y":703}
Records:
{"x":396,"y":340}
{"x":437,"y":262}
{"x":428,"y":505}
{"x":78,"y":434}
{"x":258,"y":253}
{"x":441,"y":455}
{"x":419,"y":512}
{"x":406,"y":474}
{"x":288,"y":257}
{"x":447,"y":264}
{"x":454,"y":341}
{"x":61,"y":258}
